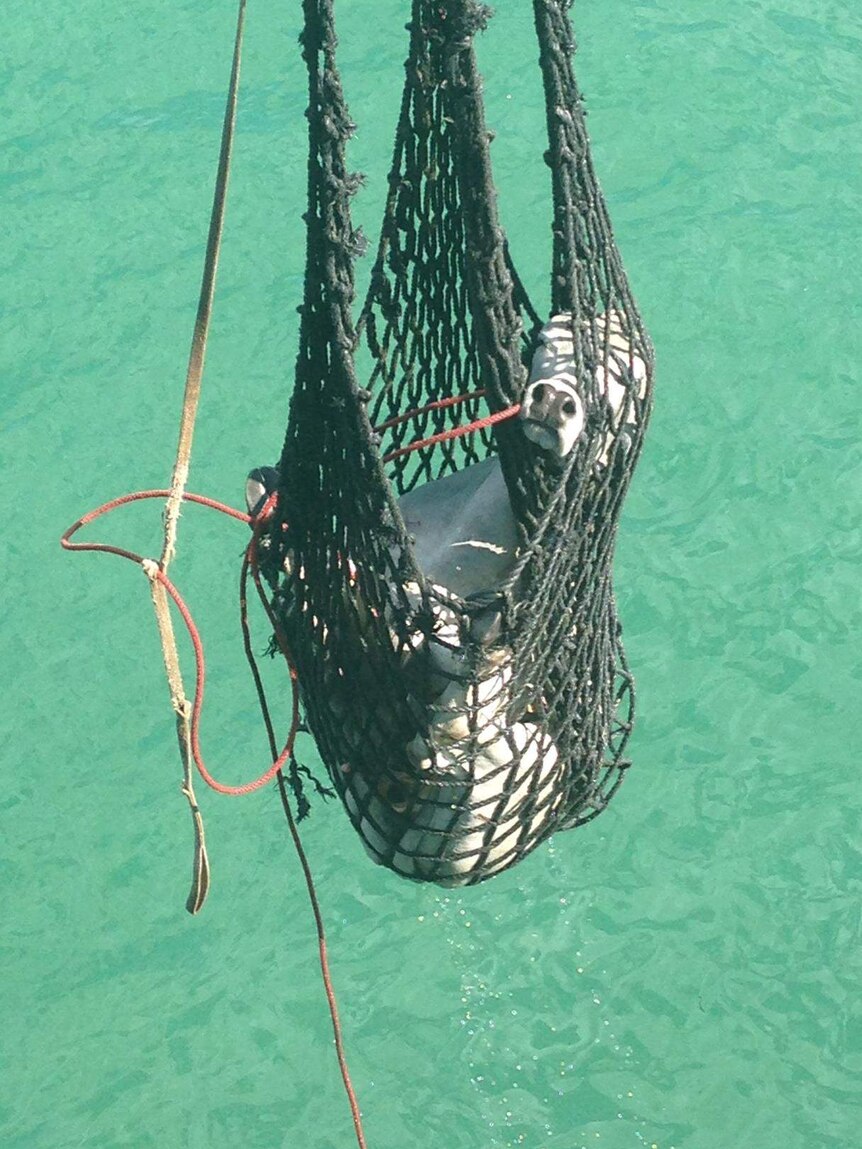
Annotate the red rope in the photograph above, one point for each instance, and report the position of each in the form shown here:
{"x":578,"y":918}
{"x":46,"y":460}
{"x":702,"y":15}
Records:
{"x":453,"y":432}
{"x":437,"y":405}
{"x":250,"y":564}
{"x":191,"y":627}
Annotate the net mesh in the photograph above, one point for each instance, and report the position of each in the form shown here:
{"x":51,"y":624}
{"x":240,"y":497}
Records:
{"x":460,"y":730}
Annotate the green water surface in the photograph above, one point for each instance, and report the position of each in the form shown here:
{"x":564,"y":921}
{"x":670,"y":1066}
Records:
{"x":683,"y":973}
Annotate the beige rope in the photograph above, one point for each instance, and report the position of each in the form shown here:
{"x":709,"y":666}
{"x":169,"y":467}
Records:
{"x":179,"y":701}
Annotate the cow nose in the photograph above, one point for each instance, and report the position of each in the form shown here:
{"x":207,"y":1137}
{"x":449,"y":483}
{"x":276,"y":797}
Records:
{"x":550,"y":404}
{"x":554,"y":415}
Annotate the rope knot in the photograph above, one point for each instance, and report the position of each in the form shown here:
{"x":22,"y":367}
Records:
{"x":151,"y":569}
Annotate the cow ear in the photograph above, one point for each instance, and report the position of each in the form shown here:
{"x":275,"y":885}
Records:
{"x":259,"y":485}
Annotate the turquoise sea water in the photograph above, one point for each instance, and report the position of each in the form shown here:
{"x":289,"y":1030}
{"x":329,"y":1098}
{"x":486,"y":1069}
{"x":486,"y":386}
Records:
{"x":683,"y":973}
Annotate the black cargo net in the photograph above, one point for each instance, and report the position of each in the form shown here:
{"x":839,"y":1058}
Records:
{"x":462,"y":721}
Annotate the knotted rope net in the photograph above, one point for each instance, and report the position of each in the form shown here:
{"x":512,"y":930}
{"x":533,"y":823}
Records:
{"x":462,"y":722}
